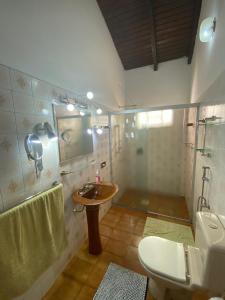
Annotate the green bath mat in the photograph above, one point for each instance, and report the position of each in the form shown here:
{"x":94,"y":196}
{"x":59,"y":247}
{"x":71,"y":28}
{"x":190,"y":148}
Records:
{"x":171,"y":231}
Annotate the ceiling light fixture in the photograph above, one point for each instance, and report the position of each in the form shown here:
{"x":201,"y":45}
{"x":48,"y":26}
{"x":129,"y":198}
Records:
{"x":89,"y":131}
{"x":90,"y":95}
{"x":82,"y":113}
{"x":99,"y":131}
{"x":99,"y":111}
{"x":207,"y":29}
{"x":70,"y":107}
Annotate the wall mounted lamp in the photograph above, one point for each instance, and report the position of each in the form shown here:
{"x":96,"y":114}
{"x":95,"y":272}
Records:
{"x":207,"y":29}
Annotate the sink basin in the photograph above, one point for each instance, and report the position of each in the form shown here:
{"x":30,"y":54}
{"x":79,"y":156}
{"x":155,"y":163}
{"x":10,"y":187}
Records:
{"x":101,"y":193}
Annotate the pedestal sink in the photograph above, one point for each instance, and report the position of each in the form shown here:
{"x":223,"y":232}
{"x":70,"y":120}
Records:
{"x":101,"y":193}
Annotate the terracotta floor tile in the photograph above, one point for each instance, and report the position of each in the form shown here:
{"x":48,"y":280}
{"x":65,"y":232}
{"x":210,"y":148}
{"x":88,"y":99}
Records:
{"x":105,"y":258}
{"x":79,"y":270}
{"x":86,"y":293}
{"x":84,"y":273}
{"x":64,"y":288}
{"x":122,"y":236}
{"x":84,"y":255}
{"x":105,"y":230}
{"x":116,"y":247}
{"x":104,"y":241}
{"x":135,"y":240}
{"x":96,"y":275}
{"x":110,"y":220}
{"x":125,"y":226}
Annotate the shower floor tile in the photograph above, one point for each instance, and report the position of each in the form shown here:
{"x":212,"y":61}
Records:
{"x":173,"y":206}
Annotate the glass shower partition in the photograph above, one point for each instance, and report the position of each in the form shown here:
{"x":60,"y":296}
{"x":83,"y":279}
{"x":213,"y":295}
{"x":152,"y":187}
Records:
{"x":148,"y":161}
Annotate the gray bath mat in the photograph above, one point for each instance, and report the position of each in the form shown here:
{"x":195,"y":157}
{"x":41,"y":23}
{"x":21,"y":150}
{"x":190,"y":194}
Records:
{"x":120,"y":283}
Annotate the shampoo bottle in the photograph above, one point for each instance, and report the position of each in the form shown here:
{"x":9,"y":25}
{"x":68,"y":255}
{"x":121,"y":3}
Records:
{"x":97,"y":177}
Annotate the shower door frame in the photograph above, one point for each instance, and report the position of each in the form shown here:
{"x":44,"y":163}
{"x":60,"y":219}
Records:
{"x":146,"y":109}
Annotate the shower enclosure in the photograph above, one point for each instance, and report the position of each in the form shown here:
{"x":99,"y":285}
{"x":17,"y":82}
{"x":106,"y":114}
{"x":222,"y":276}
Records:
{"x":153,"y":160}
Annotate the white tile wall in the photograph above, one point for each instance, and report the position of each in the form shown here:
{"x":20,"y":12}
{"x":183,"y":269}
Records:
{"x":24,"y":102}
{"x":160,"y":168}
{"x":190,"y":156}
{"x":6,"y":101}
{"x":119,"y":154}
{"x":215,"y":141}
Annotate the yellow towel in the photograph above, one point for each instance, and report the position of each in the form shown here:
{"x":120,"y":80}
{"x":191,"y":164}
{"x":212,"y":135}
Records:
{"x":32,"y":236}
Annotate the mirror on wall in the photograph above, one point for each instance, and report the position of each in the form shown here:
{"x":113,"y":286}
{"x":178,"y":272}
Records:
{"x":74,"y":133}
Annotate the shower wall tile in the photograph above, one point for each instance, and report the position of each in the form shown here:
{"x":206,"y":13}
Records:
{"x":119,"y":162}
{"x":159,"y":166}
{"x":190,"y":158}
{"x":6,"y":101}
{"x":215,"y":142}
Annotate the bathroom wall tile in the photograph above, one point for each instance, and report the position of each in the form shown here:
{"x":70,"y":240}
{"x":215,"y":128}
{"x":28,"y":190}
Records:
{"x":12,"y":190}
{"x":25,"y":123}
{"x":21,"y":82}
{"x":6,"y":102}
{"x":17,"y":173}
{"x":23,"y":103}
{"x":42,"y":89}
{"x":4,"y":77}
{"x":42,"y":107}
{"x":1,"y":202}
{"x":10,"y":156}
{"x":7,"y":122}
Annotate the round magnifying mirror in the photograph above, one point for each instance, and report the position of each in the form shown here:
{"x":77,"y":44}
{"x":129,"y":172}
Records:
{"x":33,"y":147}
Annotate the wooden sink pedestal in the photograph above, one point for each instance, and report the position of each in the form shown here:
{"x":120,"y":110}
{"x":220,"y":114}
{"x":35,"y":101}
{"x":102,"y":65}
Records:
{"x":106,"y":191}
{"x":95,"y":246}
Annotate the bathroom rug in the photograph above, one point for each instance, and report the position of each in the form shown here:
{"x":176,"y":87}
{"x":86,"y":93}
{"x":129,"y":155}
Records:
{"x":169,"y":230}
{"x":120,"y":283}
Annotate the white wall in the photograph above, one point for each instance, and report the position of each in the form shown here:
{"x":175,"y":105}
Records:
{"x":208,"y":65}
{"x":169,"y":85}
{"x":64,"y":42}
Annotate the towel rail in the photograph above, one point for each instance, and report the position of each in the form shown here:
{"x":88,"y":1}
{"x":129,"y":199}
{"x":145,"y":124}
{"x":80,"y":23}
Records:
{"x":54,"y":184}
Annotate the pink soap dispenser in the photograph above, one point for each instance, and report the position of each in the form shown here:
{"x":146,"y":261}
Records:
{"x":97,"y":177}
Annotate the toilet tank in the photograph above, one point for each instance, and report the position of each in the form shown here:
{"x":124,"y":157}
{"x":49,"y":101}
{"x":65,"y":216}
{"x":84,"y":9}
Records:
{"x":210,"y":239}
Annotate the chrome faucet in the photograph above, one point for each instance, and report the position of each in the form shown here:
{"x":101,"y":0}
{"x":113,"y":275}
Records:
{"x":202,"y":202}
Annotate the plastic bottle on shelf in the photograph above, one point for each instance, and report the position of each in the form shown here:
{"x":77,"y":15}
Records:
{"x":97,"y":176}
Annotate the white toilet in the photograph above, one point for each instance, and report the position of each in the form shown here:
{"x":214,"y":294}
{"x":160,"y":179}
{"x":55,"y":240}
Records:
{"x":172,"y":265}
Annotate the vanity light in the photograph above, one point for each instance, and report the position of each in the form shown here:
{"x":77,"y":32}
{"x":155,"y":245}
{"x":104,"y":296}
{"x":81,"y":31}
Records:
{"x":132,"y":135}
{"x":127,"y":121}
{"x":207,"y":29}
{"x":89,"y":131}
{"x":45,"y":129}
{"x":90,"y":95}
{"x":99,"y":111}
{"x":99,"y":131}
{"x":70,"y":107}
{"x":82,"y":113}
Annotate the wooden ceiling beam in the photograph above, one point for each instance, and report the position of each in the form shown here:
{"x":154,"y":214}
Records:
{"x":153,"y":37}
{"x":196,"y":14}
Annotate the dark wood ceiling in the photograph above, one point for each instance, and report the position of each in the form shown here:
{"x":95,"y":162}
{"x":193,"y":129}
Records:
{"x":147,"y":32}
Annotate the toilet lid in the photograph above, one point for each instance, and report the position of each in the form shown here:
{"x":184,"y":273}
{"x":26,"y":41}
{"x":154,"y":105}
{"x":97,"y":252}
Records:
{"x":167,"y":258}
